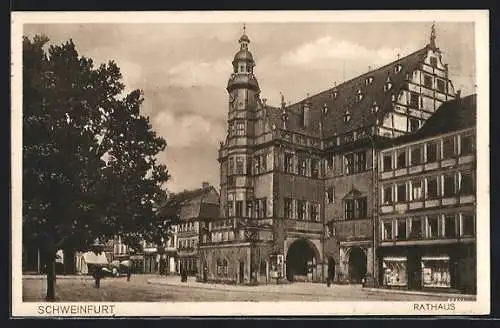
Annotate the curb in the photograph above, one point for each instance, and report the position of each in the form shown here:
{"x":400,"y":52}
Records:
{"x":410,"y":292}
{"x":43,"y":277}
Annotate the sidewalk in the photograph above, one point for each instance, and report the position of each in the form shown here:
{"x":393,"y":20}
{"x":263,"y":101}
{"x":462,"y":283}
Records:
{"x":44,"y":277}
{"x":300,"y":288}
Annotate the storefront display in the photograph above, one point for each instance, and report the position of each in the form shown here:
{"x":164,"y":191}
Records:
{"x":395,"y":271}
{"x":436,"y":272}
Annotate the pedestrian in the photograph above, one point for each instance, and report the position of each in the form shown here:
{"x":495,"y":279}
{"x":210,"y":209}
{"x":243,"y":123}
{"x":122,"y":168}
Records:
{"x":205,"y":273}
{"x":97,"y":273}
{"x":129,"y":273}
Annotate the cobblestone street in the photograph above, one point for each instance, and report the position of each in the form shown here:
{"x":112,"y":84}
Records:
{"x":148,"y":288}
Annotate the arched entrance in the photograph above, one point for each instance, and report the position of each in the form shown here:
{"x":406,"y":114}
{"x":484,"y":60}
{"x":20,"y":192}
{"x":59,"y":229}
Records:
{"x":301,"y":260}
{"x":357,"y":265}
{"x":331,"y":269}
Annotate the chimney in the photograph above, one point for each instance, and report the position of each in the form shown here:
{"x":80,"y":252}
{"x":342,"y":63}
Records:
{"x":459,"y":93}
{"x":205,"y":185}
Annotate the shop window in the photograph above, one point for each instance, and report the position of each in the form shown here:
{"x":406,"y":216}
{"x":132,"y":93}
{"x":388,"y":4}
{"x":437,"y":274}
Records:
{"x":432,"y":227}
{"x":239,"y":165}
{"x":301,"y":210}
{"x":401,"y":192}
{"x":414,"y":100}
{"x":432,"y":188}
{"x":239,"y":208}
{"x":416,"y":228}
{"x":416,"y":190}
{"x":441,"y":85}
{"x":466,"y":184}
{"x":330,"y":195}
{"x":436,"y":272}
{"x":349,"y":163}
{"x":387,"y":230}
{"x":468,"y":225}
{"x":401,"y":159}
{"x":387,"y":162}
{"x":315,"y":167}
{"x":448,"y":147}
{"x":466,"y":145}
{"x":428,"y":81}
{"x":302,"y":166}
{"x":401,"y":232}
{"x":450,"y":226}
{"x":288,"y":208}
{"x":431,"y":151}
{"x":387,"y":195}
{"x":395,"y":271}
{"x":449,"y":189}
{"x":289,"y":163}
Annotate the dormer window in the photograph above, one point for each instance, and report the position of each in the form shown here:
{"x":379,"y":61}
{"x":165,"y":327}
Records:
{"x":398,"y":68}
{"x":374,"y":107}
{"x":393,"y":97}
{"x":388,"y":84}
{"x":347,"y":116}
{"x":334,"y":94}
{"x":359,"y":95}
{"x":325,"y":109}
{"x":369,"y":80}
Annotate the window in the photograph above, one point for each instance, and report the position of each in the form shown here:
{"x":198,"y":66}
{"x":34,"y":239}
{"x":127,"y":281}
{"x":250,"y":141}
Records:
{"x":449,"y":189}
{"x":249,"y":208}
{"x":347,"y":116}
{"x":414,"y":100}
{"x":239,"y":165}
{"x":397,"y":68}
{"x":450,"y":226}
{"x":448,"y":147}
{"x":387,"y":194}
{"x":401,"y":233}
{"x":349,"y":163}
{"x":468,"y":226}
{"x":301,"y":210}
{"x":466,"y":184}
{"x":466,"y":145}
{"x":222,"y":267}
{"x":314,"y":211}
{"x":432,"y":227}
{"x":441,"y":85}
{"x":416,"y":155}
{"x":240,"y":128}
{"x":231,"y":166}
{"x":301,"y":117}
{"x":330,"y":195}
{"x":263,"y":164}
{"x":432,"y":187}
{"x":315,"y":168}
{"x":288,"y":208}
{"x":360,"y":164}
{"x":262,"y":208}
{"x":433,"y":61}
{"x":349,"y":209}
{"x":256,"y":163}
{"x":401,"y":159}
{"x":416,"y":228}
{"x":387,"y":230}
{"x":387,"y":162}
{"x":401,"y":192}
{"x":431,"y":150}
{"x":414,"y":124}
{"x":302,"y":166}
{"x":361,"y":208}
{"x":416,"y":190}
{"x":239,"y":208}
{"x":289,"y":163}
{"x":428,"y":81}
{"x":331,"y":163}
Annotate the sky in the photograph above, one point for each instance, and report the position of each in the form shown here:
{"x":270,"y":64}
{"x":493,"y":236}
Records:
{"x":183,"y":70}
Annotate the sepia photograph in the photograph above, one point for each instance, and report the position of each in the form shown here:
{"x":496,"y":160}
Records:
{"x":317,"y":163}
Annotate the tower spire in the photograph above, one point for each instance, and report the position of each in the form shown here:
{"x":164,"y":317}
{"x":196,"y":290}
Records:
{"x":433,"y":36}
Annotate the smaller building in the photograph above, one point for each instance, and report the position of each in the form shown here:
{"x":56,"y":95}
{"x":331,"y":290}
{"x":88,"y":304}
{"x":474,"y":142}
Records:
{"x":427,"y":225}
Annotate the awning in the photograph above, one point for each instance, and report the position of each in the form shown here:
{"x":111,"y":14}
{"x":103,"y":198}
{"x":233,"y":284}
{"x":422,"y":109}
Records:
{"x":400,"y":259}
{"x":93,"y":258}
{"x":435,"y":258}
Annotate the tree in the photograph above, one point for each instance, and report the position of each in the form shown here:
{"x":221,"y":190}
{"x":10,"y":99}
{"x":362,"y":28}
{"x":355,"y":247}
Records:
{"x":89,"y":157}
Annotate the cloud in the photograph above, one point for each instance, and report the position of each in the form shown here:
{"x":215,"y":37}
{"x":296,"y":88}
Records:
{"x":188,"y":130}
{"x":327,"y":48}
{"x":201,"y":73}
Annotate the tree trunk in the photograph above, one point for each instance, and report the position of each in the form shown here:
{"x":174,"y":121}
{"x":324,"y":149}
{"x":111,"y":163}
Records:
{"x":51,"y":278}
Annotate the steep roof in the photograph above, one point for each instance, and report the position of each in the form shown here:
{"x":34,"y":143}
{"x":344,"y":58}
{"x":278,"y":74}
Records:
{"x":346,"y":99}
{"x":453,"y":115}
{"x":183,"y":200}
{"x":209,"y":211}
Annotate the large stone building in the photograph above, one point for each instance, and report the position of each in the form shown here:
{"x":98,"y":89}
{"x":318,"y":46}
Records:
{"x":298,"y":188}
{"x":428,"y":204}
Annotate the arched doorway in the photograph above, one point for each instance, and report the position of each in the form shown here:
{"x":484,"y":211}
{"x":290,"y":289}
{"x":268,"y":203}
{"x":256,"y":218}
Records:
{"x":301,"y":260}
{"x":357,"y":265}
{"x":331,"y":269}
